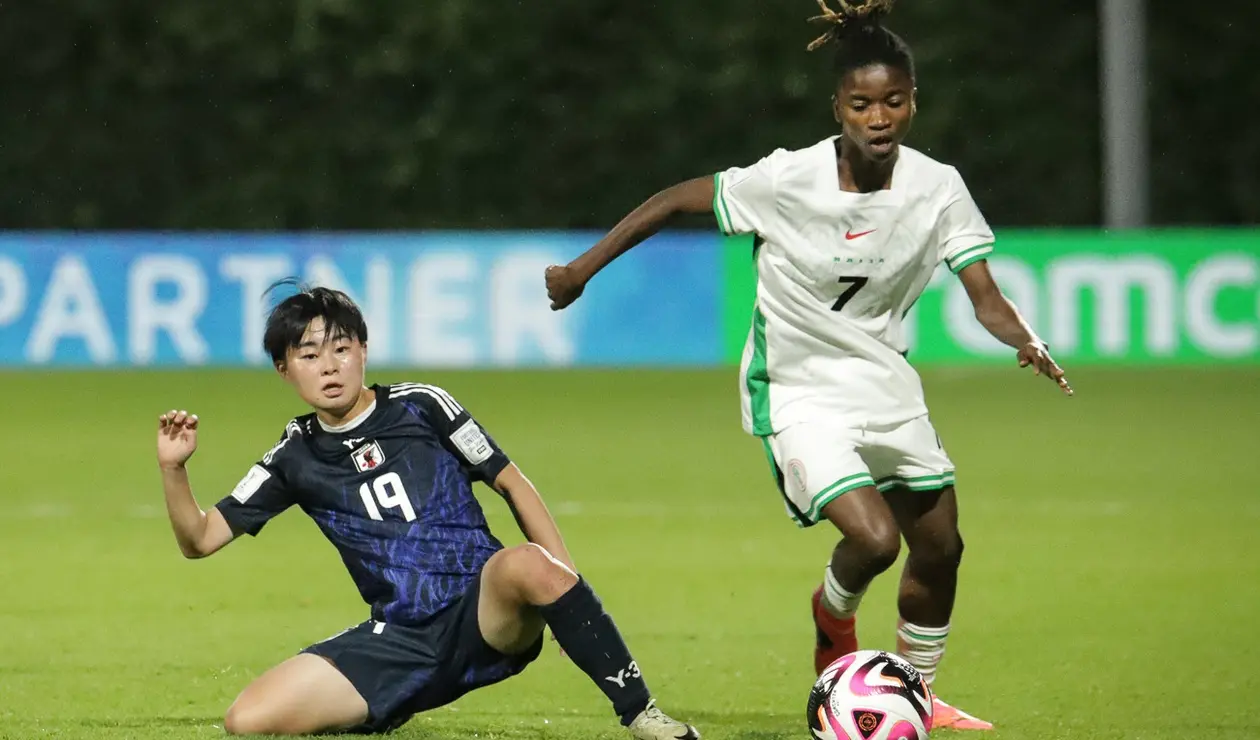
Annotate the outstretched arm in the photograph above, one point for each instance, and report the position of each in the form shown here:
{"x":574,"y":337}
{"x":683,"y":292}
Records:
{"x":198,"y":533}
{"x":999,"y":316}
{"x":531,"y":513}
{"x":566,"y":283}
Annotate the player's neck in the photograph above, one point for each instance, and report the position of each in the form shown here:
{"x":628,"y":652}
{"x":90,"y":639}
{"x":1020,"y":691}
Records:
{"x":859,"y":174}
{"x":362,"y":404}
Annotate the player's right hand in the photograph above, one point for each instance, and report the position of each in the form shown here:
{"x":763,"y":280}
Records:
{"x":564,"y":286}
{"x":177,"y":438}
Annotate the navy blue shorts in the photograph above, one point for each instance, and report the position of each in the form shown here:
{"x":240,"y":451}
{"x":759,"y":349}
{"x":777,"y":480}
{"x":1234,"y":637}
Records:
{"x":404,"y":670}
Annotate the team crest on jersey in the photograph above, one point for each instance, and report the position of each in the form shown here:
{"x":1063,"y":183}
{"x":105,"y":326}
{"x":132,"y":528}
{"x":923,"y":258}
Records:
{"x":368,"y":457}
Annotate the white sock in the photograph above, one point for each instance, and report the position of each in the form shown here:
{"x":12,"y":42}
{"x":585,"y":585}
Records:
{"x":922,"y":647}
{"x":841,"y":603}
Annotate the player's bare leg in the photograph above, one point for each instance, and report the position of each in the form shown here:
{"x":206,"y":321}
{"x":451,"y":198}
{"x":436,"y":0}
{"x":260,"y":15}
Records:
{"x":870,"y":544}
{"x":512,"y":582}
{"x":929,"y":582}
{"x":523,"y":588}
{"x":303,"y":695}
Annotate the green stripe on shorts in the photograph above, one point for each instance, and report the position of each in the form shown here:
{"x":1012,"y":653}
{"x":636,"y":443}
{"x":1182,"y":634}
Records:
{"x":774,"y":464}
{"x":835,"y":490}
{"x":917,"y":483}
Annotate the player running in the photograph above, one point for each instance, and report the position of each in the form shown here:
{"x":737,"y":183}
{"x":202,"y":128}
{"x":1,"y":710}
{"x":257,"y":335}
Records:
{"x":848,"y":233}
{"x":386,"y":473}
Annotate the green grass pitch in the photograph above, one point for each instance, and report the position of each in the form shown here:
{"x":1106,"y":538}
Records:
{"x":1110,"y":588}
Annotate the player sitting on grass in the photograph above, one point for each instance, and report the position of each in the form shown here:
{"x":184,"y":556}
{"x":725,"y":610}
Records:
{"x":848,"y":233}
{"x":386,"y":473}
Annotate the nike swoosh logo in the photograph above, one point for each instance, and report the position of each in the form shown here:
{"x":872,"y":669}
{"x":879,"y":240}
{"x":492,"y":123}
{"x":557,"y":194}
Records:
{"x":849,"y":235}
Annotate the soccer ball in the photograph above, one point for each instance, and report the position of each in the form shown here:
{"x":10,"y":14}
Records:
{"x":870,"y":695}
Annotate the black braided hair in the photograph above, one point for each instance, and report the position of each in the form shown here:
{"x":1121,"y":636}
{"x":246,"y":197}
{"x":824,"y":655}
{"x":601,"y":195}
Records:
{"x":860,"y":38}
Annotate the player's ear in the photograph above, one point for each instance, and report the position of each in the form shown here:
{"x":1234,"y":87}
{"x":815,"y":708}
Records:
{"x":914,"y":101}
{"x":282,"y":369}
{"x":835,"y":108}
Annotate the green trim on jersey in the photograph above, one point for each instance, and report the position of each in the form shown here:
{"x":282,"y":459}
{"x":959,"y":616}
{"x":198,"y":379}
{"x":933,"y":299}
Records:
{"x":835,"y":490}
{"x":961,"y":260}
{"x":720,"y":208}
{"x":758,"y":378}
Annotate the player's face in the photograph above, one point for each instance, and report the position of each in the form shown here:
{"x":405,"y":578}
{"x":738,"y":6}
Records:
{"x":875,"y":105}
{"x":327,"y":372}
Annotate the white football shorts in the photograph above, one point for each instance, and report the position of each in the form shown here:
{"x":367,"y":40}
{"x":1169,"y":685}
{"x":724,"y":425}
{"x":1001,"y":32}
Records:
{"x":814,"y":463}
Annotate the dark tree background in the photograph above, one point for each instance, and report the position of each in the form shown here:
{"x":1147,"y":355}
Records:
{"x":566,"y":113}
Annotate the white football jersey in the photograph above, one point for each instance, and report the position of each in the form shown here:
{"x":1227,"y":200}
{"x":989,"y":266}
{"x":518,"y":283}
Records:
{"x":836,"y":274}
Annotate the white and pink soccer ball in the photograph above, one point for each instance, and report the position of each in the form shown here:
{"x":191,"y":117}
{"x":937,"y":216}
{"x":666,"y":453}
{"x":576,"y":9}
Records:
{"x":870,"y":695}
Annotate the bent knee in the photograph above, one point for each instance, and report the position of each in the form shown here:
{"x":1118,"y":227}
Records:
{"x":533,"y":573}
{"x":245,"y":718}
{"x":952,"y":552}
{"x":880,"y":544}
{"x":955,"y":550}
{"x":254,"y":718}
{"x":533,"y":560}
{"x":302,"y":695}
{"x":945,"y":551}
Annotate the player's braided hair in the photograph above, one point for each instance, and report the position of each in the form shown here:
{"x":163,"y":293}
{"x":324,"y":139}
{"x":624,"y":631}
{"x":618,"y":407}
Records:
{"x":860,"y":38}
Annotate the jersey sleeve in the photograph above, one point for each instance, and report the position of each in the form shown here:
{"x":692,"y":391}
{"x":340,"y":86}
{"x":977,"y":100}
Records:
{"x":262,"y":494}
{"x":963,"y":235}
{"x":461,"y":434}
{"x":744,"y":197}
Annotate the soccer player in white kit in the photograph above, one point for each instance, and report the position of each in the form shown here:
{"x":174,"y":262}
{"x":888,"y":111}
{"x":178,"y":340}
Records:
{"x":848,"y":232}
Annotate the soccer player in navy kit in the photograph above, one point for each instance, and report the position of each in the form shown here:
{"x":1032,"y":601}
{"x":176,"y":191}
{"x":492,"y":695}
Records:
{"x":386,"y":472}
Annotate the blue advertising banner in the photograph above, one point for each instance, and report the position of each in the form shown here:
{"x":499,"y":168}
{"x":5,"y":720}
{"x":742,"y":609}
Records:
{"x":431,"y":299}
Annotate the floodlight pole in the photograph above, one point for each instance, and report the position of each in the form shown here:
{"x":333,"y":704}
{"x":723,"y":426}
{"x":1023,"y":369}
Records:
{"x":1126,"y":155}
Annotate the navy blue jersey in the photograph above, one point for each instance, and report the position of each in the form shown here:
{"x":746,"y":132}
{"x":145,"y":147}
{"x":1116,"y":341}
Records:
{"x":392,"y":491}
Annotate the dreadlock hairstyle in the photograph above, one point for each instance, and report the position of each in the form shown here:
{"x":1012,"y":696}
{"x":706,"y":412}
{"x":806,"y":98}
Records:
{"x":860,"y":38}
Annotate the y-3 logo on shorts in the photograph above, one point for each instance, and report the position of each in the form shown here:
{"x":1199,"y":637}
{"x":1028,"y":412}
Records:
{"x":625,"y":674}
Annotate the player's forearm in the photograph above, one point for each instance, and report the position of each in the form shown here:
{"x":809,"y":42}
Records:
{"x":692,"y":196}
{"x":1001,"y":319}
{"x":187,"y":519}
{"x":536,"y":523}
{"x":540,"y":529}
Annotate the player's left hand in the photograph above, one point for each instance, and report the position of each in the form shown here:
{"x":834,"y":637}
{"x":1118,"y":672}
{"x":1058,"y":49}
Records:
{"x":564,"y":285}
{"x":1037,"y":354}
{"x":553,"y":639}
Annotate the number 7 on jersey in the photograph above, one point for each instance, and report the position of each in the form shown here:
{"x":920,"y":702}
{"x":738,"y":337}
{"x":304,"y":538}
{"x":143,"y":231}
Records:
{"x":855,"y":284}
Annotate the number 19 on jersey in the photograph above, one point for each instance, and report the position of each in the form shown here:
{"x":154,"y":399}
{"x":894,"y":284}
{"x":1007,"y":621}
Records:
{"x":388,"y":491}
